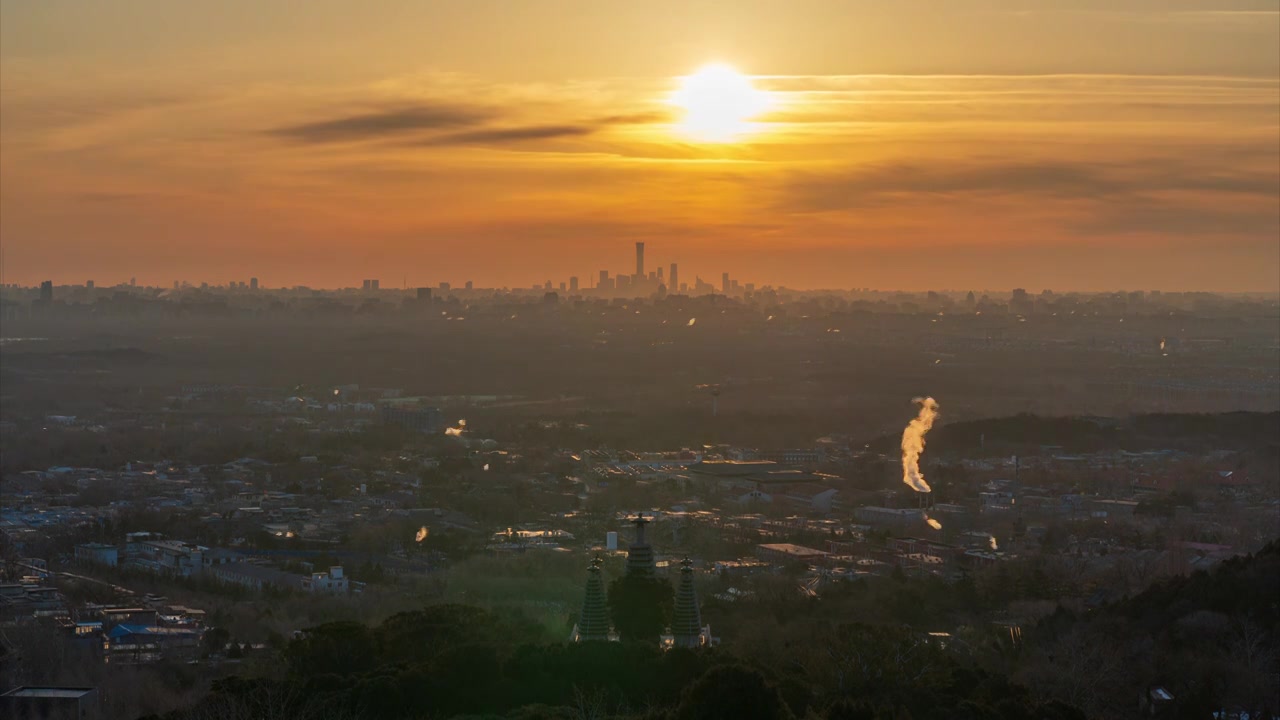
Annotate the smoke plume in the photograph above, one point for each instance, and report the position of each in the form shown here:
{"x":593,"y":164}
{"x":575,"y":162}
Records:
{"x":457,"y":431}
{"x":933,"y":523}
{"x":913,"y":444}
{"x":421,"y":535}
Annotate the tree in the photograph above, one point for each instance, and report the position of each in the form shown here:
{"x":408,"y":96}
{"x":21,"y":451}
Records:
{"x":640,"y":607}
{"x":730,"y":692}
{"x":214,"y":640}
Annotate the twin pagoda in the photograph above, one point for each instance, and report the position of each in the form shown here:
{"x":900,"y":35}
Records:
{"x":686,"y":628}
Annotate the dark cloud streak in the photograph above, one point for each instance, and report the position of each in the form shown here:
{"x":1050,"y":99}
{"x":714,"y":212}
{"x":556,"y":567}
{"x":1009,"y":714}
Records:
{"x":386,"y":123}
{"x":497,"y":136}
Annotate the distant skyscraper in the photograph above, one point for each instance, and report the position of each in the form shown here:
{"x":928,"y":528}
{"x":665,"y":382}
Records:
{"x":88,"y":284}
{"x":673,"y":282}
{"x":253,"y":283}
{"x":604,"y":278}
{"x":640,"y":259}
{"x":573,"y":284}
{"x":424,"y":294}
{"x":367,"y":285}
{"x":133,"y":282}
{"x":470,"y":285}
{"x":46,"y":292}
{"x":176,"y":285}
{"x":724,"y":283}
{"x":660,"y":273}
{"x":373,"y":284}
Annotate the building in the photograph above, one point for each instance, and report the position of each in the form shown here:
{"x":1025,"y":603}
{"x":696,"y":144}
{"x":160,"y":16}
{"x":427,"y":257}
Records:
{"x":673,"y":281}
{"x":170,"y":557}
{"x":420,"y":419}
{"x":640,"y":260}
{"x":50,"y":703}
{"x":131,"y":644}
{"x":333,"y":582}
{"x":872,"y":515}
{"x":254,"y":577}
{"x":593,"y":622}
{"x":424,"y":294}
{"x":253,"y":283}
{"x":98,"y":554}
{"x":789,"y":553}
{"x":687,"y":630}
{"x":640,"y":562}
{"x":573,"y":284}
{"x":725,"y":285}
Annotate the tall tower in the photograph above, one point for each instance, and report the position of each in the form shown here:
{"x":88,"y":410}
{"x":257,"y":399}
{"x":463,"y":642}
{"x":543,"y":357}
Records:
{"x":640,"y":554}
{"x":724,"y":283}
{"x":673,"y":281}
{"x":686,"y":622}
{"x":593,"y":622}
{"x":640,"y":259}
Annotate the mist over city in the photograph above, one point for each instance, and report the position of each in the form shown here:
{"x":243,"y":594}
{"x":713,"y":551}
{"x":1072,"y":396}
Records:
{"x":661,"y":361}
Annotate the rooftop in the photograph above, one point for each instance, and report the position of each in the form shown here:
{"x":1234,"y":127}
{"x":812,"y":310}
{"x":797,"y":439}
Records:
{"x":48,"y":692}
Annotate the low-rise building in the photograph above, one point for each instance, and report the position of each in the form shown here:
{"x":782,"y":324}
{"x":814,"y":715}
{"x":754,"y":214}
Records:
{"x":98,"y":554}
{"x":50,"y":703}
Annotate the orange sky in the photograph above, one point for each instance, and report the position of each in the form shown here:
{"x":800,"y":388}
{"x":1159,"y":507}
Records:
{"x":1072,"y":145}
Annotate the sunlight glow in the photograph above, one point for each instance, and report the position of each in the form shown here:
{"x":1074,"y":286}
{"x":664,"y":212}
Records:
{"x":719,"y":103}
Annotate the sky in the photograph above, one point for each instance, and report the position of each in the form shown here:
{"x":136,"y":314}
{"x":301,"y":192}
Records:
{"x":1065,"y":144}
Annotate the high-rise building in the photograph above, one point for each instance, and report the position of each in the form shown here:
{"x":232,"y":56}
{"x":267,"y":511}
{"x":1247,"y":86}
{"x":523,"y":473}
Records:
{"x":573,"y":284}
{"x":660,"y":278}
{"x":470,"y":285}
{"x":424,"y":294}
{"x":88,"y":284}
{"x":604,"y":278}
{"x":373,"y":284}
{"x":724,"y":283}
{"x":366,"y":285}
{"x":46,"y":292}
{"x":563,"y":286}
{"x":640,"y":259}
{"x":673,"y":282}
{"x":253,"y":283}
{"x":176,"y":285}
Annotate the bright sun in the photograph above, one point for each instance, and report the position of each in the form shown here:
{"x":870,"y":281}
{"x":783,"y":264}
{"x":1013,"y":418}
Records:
{"x":719,"y":103}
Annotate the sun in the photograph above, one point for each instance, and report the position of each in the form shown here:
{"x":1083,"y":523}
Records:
{"x":719,"y":103}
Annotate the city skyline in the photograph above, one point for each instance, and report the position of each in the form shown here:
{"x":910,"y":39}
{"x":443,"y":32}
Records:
{"x":856,"y":144}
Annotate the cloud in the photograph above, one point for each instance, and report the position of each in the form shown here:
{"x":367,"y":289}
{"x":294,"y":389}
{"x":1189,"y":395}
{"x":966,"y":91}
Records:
{"x":501,"y":135}
{"x":869,"y":186}
{"x":385,"y":123}
{"x":492,"y":136}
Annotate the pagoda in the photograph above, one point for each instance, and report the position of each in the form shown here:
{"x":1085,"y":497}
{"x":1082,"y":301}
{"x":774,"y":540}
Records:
{"x":593,"y":622}
{"x":640,"y":554}
{"x":687,"y":630}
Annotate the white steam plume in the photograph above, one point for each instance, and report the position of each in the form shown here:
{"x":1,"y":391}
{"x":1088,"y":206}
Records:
{"x":913,"y":444}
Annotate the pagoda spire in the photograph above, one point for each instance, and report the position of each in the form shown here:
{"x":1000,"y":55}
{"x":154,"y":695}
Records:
{"x":640,"y":554}
{"x":593,"y":623}
{"x":686,"y":622}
